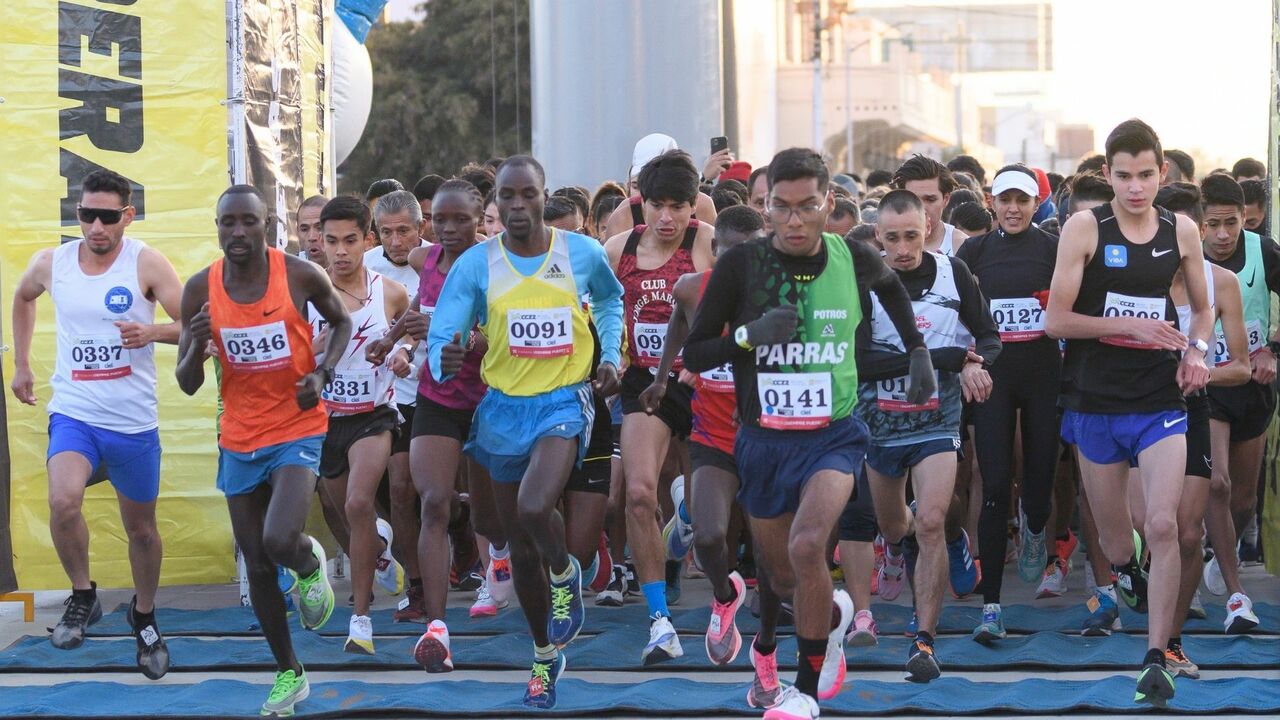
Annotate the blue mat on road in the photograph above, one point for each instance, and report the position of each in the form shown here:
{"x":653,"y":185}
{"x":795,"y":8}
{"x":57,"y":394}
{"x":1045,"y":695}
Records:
{"x":892,"y":619}
{"x":655,"y":698}
{"x":619,"y":650}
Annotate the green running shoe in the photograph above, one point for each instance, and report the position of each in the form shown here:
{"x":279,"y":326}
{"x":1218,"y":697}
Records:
{"x":315,"y":594}
{"x":290,"y":688}
{"x":1155,"y":686}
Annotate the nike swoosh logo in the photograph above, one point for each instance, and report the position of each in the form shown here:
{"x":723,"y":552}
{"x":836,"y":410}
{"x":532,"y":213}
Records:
{"x":1207,"y":461}
{"x":1156,"y":254}
{"x":265,"y":313}
{"x":1252,"y":277}
{"x":1169,"y":424}
{"x":307,"y":457}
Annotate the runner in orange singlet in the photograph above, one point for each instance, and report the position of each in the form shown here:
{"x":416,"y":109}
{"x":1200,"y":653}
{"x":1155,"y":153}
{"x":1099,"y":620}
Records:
{"x":248,"y":309}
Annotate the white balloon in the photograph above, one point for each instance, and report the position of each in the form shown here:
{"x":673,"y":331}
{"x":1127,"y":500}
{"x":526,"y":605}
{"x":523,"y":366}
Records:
{"x":352,"y":90}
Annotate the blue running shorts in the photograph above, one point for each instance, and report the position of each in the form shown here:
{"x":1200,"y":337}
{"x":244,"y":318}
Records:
{"x":1110,"y":439}
{"x":774,"y":465}
{"x":132,"y":461}
{"x":506,"y":427}
{"x":242,"y":473}
{"x":895,"y":461}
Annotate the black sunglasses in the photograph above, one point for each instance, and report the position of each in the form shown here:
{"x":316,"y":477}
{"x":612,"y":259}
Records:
{"x":106,"y":215}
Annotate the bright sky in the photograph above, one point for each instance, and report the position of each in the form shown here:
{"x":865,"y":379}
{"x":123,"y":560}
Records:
{"x":1197,"y":70}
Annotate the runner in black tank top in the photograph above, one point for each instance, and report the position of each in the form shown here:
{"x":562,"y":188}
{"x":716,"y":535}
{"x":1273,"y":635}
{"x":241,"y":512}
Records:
{"x":1014,"y":266}
{"x":1123,"y":381}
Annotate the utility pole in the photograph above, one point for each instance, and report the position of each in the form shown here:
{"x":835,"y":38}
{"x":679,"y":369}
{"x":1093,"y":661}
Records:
{"x":957,"y":83}
{"x":817,"y":75}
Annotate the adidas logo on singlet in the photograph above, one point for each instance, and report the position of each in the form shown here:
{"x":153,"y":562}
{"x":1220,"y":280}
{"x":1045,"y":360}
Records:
{"x":828,"y":330}
{"x":554,"y":271}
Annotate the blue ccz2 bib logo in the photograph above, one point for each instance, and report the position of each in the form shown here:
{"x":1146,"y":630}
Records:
{"x":1116,"y":256}
{"x":118,"y":300}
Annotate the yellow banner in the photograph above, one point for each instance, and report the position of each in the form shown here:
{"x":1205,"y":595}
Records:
{"x":137,"y":88}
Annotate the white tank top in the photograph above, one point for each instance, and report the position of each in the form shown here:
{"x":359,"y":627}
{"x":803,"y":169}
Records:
{"x":948,"y":235}
{"x":937,"y":314}
{"x":95,"y":380}
{"x":376,"y":260}
{"x":358,"y":386}
{"x":1219,"y":346}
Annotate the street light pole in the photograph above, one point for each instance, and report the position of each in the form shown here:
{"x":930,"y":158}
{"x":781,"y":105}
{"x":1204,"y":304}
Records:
{"x":817,"y":75}
{"x":848,"y":107}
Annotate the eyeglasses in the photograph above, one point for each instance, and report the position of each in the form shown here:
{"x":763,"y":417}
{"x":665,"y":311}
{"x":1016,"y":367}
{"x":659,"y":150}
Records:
{"x":781,"y":214}
{"x":108,"y":216}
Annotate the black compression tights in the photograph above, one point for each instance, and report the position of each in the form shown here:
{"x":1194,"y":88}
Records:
{"x":1031,"y":387}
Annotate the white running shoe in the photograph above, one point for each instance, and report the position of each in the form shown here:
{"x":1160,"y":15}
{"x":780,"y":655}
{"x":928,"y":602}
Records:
{"x":388,"y":574}
{"x":793,"y":705}
{"x":498,"y":578}
{"x":1240,"y":616}
{"x":663,"y":645}
{"x":831,"y":679}
{"x":359,"y":635}
{"x":432,"y":649}
{"x":485,"y":605}
{"x":1213,"y":581}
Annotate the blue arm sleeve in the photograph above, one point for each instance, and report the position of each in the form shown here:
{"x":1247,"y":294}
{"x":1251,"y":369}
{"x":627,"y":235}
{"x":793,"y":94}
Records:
{"x":592,"y":271}
{"x":461,"y":304}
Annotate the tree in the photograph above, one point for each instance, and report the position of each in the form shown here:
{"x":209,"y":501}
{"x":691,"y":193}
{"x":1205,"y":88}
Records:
{"x":433,"y":92}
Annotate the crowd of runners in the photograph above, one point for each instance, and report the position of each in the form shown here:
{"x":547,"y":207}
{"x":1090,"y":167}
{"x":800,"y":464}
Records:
{"x":808,"y":389}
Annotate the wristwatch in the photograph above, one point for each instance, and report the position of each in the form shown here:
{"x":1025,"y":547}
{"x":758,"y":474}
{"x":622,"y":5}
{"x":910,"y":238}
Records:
{"x":1202,"y":346}
{"x":326,"y":374}
{"x":740,"y":337}
{"x":1274,"y":347}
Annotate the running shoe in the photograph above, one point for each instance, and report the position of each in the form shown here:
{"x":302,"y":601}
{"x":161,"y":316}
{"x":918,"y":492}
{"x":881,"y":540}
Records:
{"x":411,"y":608}
{"x":677,"y":535}
{"x":567,"y":613}
{"x":831,"y":678}
{"x":541,"y":691}
{"x":1032,"y":554}
{"x":432,"y":649}
{"x":1240,"y":617}
{"x":153,"y":653}
{"x":1196,"y":609}
{"x":1054,"y":582}
{"x":1213,"y":581}
{"x":864,"y":631}
{"x":793,"y":705}
{"x":387,"y":573}
{"x":1248,"y":550}
{"x":82,"y":611}
{"x":922,"y":666}
{"x":765,"y":690}
{"x":498,"y":579}
{"x":1155,"y":686}
{"x":289,"y":688}
{"x":673,"y":582}
{"x":471,"y":581}
{"x":663,"y":645}
{"x":965,"y":573}
{"x":359,"y":635}
{"x":604,"y":567}
{"x":893,"y":576}
{"x":1067,"y":548}
{"x":992,"y":626}
{"x":315,"y":594}
{"x":286,"y":579}
{"x":1178,"y":663}
{"x":614,"y":594}
{"x":723,"y":639}
{"x":914,"y":626}
{"x":485,"y":605}
{"x":1131,"y":580}
{"x":1104,"y":615}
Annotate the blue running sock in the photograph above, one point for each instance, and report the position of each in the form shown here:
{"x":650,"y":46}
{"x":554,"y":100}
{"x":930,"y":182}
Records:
{"x":655,"y":596}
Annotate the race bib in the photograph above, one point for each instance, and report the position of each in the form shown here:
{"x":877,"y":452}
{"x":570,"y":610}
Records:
{"x":1018,"y":319}
{"x":542,"y":333}
{"x":261,"y":348}
{"x":650,"y":338}
{"x":350,"y":391}
{"x":718,"y":379}
{"x":1118,"y":305}
{"x":794,"y":401}
{"x":891,"y":396}
{"x":99,"y":357}
{"x":427,"y":310}
{"x":1257,"y":341}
